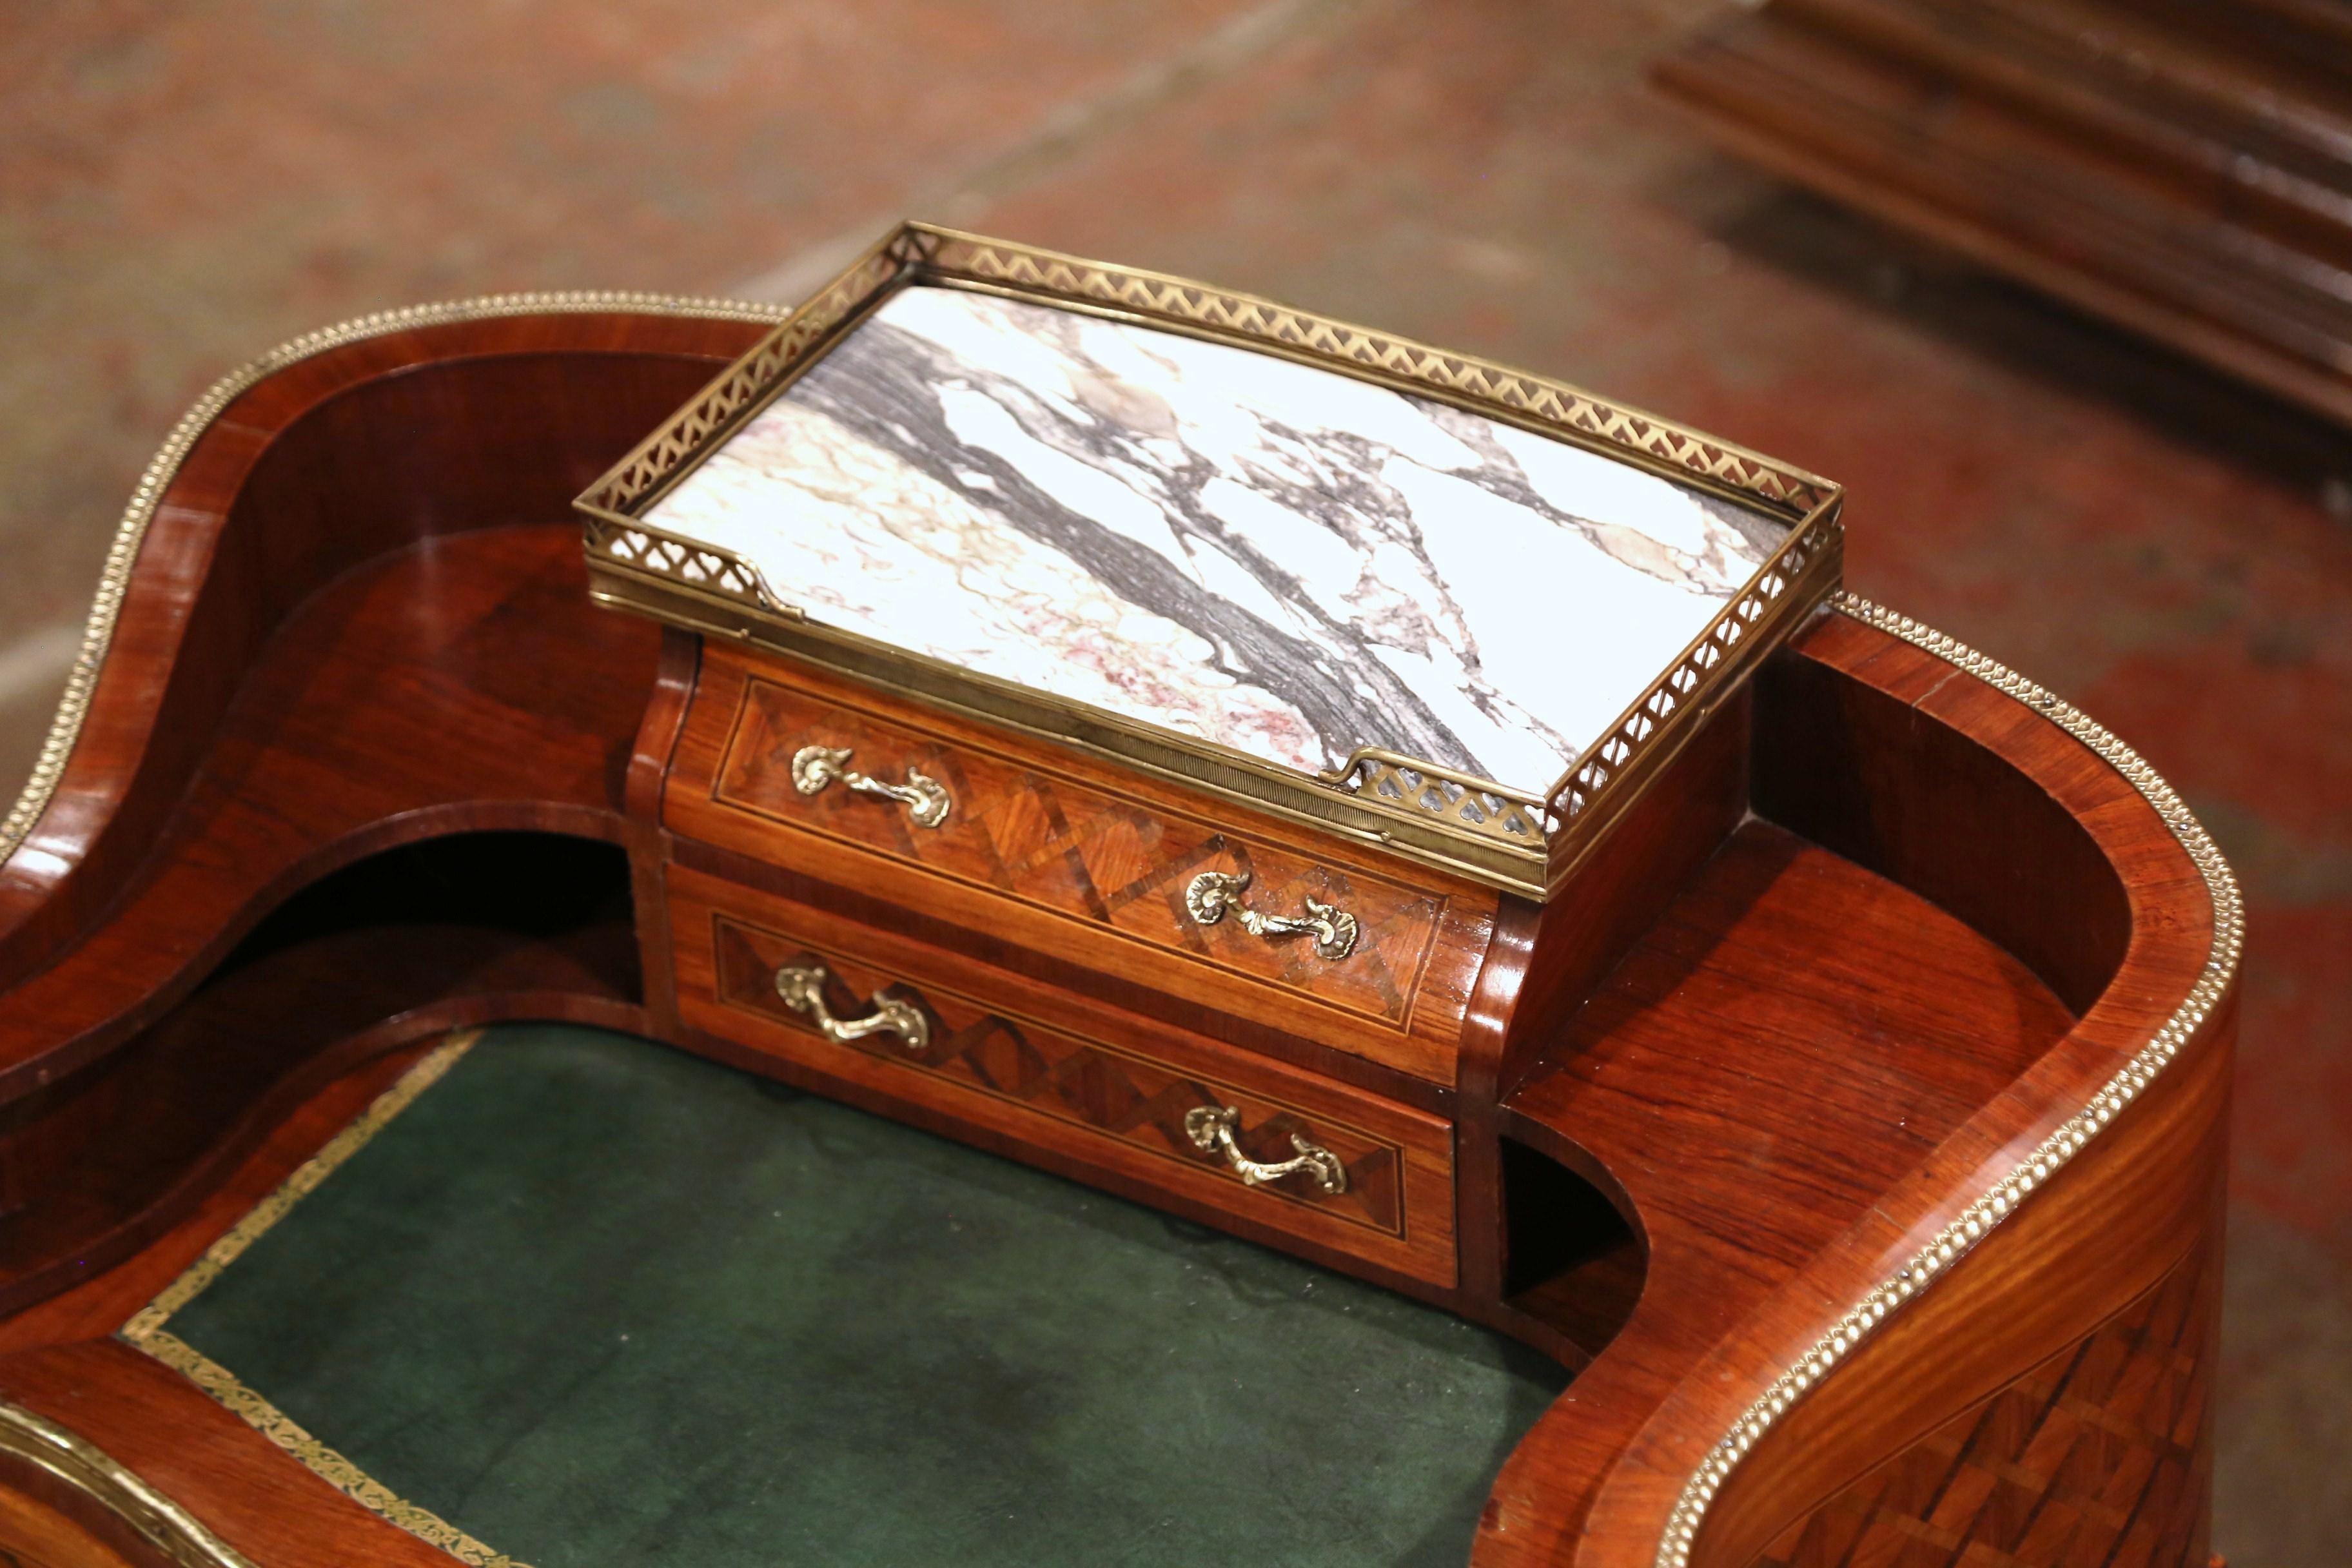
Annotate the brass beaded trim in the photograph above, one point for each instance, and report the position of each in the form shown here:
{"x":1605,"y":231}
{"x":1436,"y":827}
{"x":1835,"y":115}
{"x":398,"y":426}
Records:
{"x":1955,"y":1240}
{"x":77,"y":1462}
{"x":114,"y":576}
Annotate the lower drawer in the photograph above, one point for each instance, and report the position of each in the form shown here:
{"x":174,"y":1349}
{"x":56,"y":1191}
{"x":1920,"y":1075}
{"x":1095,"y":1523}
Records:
{"x":1188,"y":1118}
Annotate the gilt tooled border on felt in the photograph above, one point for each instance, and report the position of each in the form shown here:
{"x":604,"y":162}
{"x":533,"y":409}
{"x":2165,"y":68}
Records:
{"x":146,"y":1331}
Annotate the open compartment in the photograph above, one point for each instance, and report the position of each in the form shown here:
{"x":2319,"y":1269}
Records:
{"x":1572,"y":1261}
{"x":397,"y":945}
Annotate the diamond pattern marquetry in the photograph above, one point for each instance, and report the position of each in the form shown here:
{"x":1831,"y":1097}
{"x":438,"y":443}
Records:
{"x":1078,"y":851}
{"x":2093,"y":1458}
{"x":1116,"y":1093}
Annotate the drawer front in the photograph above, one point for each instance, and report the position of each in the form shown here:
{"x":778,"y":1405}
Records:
{"x":1190,"y":1118}
{"x":1103,"y":877}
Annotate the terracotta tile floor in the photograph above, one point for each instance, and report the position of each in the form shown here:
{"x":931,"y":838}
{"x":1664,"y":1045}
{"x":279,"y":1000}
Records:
{"x":178,"y":191}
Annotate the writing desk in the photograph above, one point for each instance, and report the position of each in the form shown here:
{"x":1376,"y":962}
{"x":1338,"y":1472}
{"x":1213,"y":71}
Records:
{"x":1865,"y":1171}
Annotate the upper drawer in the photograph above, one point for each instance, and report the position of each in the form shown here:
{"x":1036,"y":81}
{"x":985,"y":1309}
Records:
{"x":1098,"y":866}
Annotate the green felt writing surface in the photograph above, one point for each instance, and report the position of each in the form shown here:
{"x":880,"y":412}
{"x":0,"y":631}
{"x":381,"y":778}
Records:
{"x":594,"y":1302}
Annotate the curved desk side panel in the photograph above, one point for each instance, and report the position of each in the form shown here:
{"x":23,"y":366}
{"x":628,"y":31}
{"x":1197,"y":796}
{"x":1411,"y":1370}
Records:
{"x":327,"y":645}
{"x":2074,"y":1252}
{"x":279,"y":481}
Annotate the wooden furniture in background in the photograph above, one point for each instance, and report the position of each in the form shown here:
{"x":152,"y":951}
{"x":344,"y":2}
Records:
{"x":2182,"y":169}
{"x":1880,"y":1096}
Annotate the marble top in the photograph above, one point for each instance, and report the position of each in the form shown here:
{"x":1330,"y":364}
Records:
{"x":1281,"y":559}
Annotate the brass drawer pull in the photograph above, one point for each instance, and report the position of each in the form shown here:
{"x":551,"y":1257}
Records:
{"x":1210,"y":1128}
{"x":801,"y":985}
{"x":1214,"y":892}
{"x":926,"y":798}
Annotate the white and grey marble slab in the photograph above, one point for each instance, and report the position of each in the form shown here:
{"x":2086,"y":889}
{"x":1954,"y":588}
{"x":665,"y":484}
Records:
{"x":1281,"y":559}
